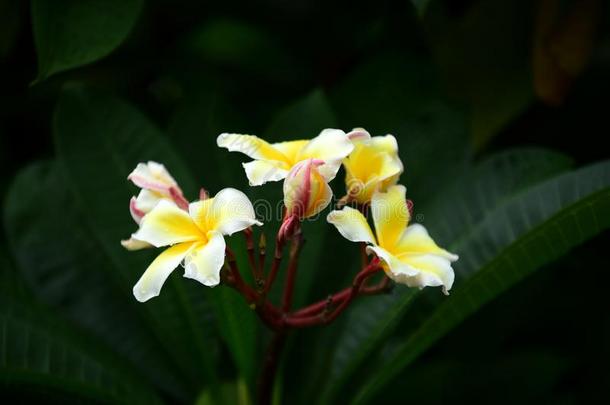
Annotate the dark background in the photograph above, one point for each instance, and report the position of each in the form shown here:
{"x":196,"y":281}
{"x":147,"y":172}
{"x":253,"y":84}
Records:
{"x":545,"y":340}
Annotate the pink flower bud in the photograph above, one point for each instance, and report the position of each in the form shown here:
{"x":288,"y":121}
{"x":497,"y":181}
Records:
{"x":306,"y":192}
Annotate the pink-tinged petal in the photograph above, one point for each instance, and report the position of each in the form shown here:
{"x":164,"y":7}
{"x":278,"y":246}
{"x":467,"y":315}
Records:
{"x":306,"y":191}
{"x":358,"y":134}
{"x":153,"y":176}
{"x":178,"y":198}
{"x":136,"y":213}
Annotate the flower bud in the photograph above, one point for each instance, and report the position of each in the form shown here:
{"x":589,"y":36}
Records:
{"x":305,"y":190}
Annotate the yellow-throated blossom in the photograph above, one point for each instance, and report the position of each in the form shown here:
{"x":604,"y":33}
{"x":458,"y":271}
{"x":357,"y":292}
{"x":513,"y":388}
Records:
{"x":408,"y":254}
{"x":373,"y":165}
{"x":273,"y":161}
{"x":193,"y":237}
{"x":306,"y":191}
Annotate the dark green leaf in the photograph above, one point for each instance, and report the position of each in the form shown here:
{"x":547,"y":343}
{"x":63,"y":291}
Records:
{"x":39,"y":350}
{"x":484,"y":54}
{"x":73,"y":274}
{"x":460,"y":207}
{"x":72,"y":33}
{"x":99,"y":141}
{"x":517,"y":238}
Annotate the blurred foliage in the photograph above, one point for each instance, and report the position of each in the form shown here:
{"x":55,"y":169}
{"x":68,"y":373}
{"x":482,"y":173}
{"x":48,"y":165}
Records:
{"x":499,"y":109}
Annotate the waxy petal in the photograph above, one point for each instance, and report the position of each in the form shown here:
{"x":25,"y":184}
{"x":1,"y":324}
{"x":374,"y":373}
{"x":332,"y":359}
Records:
{"x":228,"y":212}
{"x":250,"y":145}
{"x":260,"y":172}
{"x":390,"y":215}
{"x":386,"y":144}
{"x":373,"y":165}
{"x":166,"y":225}
{"x":432,"y":271}
{"x":152,"y":176}
{"x":416,"y":240}
{"x":394,"y":267}
{"x":352,"y":225}
{"x":291,"y":149}
{"x":155,"y":275}
{"x":358,"y":134}
{"x":331,"y":146}
{"x":205,"y":260}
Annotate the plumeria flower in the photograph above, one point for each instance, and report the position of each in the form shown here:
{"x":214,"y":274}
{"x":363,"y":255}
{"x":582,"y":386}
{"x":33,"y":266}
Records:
{"x":408,"y":254}
{"x":193,"y":237}
{"x":373,"y":165}
{"x":273,"y":161}
{"x":156,"y":184}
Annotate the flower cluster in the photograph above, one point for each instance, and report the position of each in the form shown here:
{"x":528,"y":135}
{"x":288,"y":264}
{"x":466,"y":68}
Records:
{"x":192,"y":233}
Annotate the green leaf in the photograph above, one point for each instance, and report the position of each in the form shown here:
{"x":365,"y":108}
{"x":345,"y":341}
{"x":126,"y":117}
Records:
{"x":99,"y":141}
{"x":518,"y":237}
{"x":70,"y":271}
{"x":72,"y":33}
{"x":44,"y":353}
{"x":243,"y":46}
{"x":459,"y":208}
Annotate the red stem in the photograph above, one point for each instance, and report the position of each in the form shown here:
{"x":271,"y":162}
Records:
{"x":295,"y":249}
{"x":256,"y":270}
{"x":324,"y":318}
{"x":275,"y":265}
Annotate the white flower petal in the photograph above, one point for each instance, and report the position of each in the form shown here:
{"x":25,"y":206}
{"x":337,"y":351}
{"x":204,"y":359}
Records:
{"x":155,"y":275}
{"x":152,"y":176}
{"x":352,"y":225}
{"x":250,"y":145}
{"x":260,"y":172}
{"x":395,"y":268}
{"x":205,"y":260}
{"x":331,"y":146}
{"x":166,"y":225}
{"x":432,"y":271}
{"x":228,"y":212}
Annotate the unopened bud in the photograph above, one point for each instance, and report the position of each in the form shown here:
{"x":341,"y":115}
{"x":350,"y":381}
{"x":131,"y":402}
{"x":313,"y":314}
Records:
{"x":305,"y":190}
